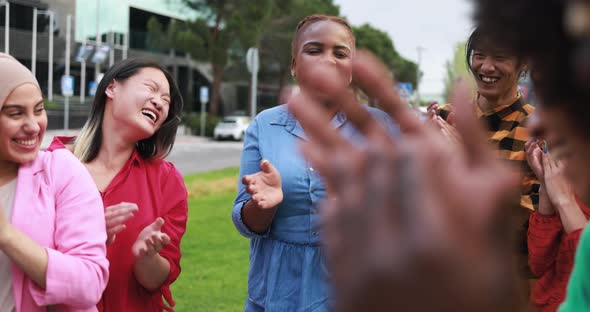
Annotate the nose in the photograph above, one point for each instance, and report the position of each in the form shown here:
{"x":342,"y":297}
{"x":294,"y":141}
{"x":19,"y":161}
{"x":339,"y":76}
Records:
{"x":488,"y":65}
{"x":158,"y":103}
{"x":31,"y":126}
{"x":329,"y":58}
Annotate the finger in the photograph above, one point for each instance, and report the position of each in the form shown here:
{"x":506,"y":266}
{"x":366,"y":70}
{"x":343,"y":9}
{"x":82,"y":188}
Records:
{"x":248,"y":179}
{"x":251,"y":189}
{"x":315,"y":121}
{"x":164,"y":239}
{"x":157,"y":225}
{"x":115,"y":230}
{"x":374,"y":78}
{"x":547,"y":164}
{"x":113,"y":214}
{"x":120,"y":209}
{"x":114,"y":221}
{"x":157,"y":241}
{"x":267,"y":167}
{"x":468,"y":128}
{"x":360,"y":117}
{"x":528,"y":144}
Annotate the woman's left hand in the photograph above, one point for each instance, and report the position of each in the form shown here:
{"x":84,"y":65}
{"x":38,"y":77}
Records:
{"x":151,"y":240}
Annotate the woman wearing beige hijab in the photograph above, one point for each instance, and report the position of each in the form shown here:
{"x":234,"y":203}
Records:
{"x":52,"y":228}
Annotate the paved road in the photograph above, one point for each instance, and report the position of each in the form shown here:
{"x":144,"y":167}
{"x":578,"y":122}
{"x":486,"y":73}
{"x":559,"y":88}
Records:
{"x":190,"y":154}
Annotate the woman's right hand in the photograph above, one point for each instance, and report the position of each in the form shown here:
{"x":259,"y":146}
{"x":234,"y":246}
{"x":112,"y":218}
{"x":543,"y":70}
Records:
{"x":265,"y":186}
{"x":115,"y":216}
{"x":534,"y":156}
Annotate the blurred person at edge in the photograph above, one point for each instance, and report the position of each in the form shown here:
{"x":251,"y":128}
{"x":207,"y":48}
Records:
{"x":52,"y":228}
{"x":554,"y":229}
{"x":436,"y":226}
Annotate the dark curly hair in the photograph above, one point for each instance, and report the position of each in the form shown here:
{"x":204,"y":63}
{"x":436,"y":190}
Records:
{"x":536,"y":30}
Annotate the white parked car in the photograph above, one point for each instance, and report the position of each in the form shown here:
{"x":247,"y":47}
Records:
{"x":233,"y":127}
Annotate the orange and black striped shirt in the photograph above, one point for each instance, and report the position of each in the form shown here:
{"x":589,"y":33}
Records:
{"x":507,"y":133}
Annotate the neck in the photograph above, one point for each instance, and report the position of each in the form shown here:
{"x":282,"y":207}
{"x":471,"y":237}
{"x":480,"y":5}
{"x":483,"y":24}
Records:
{"x":115,"y":151}
{"x":8,"y":171}
{"x":487,"y":104}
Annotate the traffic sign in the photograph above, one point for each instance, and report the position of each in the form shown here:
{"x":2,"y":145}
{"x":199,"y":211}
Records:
{"x":92,"y":86}
{"x":204,"y":95}
{"x":252,"y":60}
{"x":67,"y":85}
{"x":404,"y":89}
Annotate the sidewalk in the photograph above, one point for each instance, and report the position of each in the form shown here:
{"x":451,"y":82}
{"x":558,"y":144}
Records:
{"x":181,"y":138}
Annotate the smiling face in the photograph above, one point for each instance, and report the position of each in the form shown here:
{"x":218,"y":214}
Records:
{"x":322,"y":61}
{"x":23,"y":122}
{"x":138,"y":106}
{"x":496,"y":72}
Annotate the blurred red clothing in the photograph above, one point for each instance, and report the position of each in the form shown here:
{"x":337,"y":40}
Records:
{"x":551,"y":258}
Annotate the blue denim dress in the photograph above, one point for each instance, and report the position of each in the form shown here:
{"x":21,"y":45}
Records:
{"x":287,"y":266}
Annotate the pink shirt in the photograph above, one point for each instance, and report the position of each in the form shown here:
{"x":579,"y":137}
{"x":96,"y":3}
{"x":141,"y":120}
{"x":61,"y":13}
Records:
{"x":57,"y":205}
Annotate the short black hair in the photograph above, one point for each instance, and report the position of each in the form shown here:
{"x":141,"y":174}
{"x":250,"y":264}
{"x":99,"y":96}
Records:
{"x":483,"y":38}
{"x":536,"y":30}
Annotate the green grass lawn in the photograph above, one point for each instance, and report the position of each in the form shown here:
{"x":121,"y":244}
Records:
{"x":214,"y":256}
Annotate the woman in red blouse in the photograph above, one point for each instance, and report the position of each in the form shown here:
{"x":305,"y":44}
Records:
{"x":554,"y":230}
{"x":131,"y":129}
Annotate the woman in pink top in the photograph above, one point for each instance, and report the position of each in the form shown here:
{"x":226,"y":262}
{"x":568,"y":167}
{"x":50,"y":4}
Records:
{"x":52,"y":226}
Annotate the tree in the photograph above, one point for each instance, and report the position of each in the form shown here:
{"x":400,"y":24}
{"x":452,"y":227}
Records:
{"x":379,"y":42}
{"x":275,"y":49}
{"x":231,"y":25}
{"x":455,"y":68}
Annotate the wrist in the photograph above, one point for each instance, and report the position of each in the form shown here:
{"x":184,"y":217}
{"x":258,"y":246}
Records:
{"x":565,"y":202}
{"x":6,"y":235}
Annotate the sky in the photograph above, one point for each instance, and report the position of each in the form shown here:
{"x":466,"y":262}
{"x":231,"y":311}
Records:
{"x":435,"y":25}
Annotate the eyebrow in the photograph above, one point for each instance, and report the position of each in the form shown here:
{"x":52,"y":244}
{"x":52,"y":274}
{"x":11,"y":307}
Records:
{"x":8,"y":106}
{"x":159,"y":87}
{"x":315,"y":43}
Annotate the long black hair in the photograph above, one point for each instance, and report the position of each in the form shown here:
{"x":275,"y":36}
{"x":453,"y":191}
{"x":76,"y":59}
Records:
{"x":159,"y":145}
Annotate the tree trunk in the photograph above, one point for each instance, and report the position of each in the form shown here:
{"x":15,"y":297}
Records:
{"x":215,"y":88}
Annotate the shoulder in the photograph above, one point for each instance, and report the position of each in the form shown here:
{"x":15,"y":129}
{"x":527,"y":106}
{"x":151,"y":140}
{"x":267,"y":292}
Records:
{"x":277,"y":114}
{"x":60,"y":142}
{"x":58,"y":160}
{"x":165,"y":171}
{"x":60,"y":168}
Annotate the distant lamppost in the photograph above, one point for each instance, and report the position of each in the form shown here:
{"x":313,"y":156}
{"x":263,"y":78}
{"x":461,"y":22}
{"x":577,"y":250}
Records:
{"x":6,"y":4}
{"x":50,"y":52}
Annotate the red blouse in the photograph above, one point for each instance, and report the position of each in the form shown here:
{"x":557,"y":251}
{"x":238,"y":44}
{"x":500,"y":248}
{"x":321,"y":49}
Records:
{"x":158,"y":190}
{"x":551,"y":258}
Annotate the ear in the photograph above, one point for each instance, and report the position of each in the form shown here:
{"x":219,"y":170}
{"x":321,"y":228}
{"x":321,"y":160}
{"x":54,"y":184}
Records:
{"x":293,"y":65}
{"x":111,"y":89}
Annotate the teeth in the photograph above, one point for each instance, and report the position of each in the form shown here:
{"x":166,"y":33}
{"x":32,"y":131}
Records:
{"x":26,"y":142}
{"x":489,"y":79}
{"x":150,"y":114}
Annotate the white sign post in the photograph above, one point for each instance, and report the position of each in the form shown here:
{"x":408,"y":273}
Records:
{"x":253,"y":62}
{"x":67,"y":81}
{"x":204,"y":97}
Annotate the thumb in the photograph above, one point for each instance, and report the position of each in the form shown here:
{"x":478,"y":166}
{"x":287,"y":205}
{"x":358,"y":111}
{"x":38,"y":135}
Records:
{"x":157,"y":225}
{"x":266,"y":166}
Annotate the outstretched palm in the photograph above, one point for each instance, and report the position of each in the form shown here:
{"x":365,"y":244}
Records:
{"x":411,"y":215}
{"x":264,"y":186}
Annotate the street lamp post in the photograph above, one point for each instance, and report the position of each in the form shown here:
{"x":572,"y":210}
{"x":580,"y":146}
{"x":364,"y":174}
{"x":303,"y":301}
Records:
{"x":50,"y":52}
{"x":6,"y":4}
{"x":420,"y":49}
